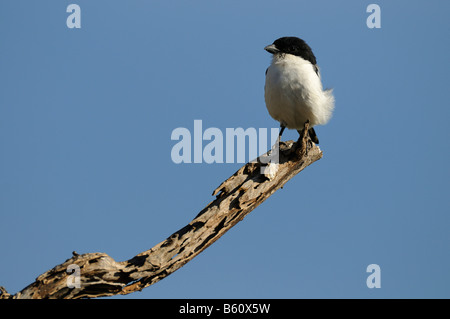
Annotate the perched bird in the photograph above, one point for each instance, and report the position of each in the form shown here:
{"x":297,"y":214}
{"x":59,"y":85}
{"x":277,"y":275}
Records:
{"x":293,"y":89}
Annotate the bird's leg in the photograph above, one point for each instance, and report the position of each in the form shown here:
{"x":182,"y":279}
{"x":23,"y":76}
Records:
{"x":276,"y":146}
{"x":303,"y":139}
{"x":281,"y":132}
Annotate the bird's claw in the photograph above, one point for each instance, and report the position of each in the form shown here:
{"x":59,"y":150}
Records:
{"x":304,"y":143}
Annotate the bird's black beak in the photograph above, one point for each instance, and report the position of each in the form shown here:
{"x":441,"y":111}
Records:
{"x":272,"y":49}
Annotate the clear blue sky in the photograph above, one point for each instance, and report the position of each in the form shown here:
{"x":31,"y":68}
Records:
{"x":86,"y":117}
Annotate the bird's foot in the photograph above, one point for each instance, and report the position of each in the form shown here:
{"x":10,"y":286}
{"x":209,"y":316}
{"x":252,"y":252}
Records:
{"x":304,"y":143}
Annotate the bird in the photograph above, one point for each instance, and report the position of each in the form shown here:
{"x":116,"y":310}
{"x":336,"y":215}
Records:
{"x":293,"y":89}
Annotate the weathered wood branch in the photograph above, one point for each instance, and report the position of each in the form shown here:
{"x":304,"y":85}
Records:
{"x":100,"y":275}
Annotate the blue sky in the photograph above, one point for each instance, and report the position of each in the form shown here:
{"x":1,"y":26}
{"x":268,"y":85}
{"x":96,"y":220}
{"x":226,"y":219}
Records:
{"x":86,"y":117}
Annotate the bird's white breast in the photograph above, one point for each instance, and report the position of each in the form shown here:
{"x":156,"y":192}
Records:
{"x":294,"y":93}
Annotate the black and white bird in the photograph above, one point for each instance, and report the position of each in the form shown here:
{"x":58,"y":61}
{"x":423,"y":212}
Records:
{"x":293,"y":91}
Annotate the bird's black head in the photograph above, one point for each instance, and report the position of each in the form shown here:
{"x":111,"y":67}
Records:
{"x":294,"y":46}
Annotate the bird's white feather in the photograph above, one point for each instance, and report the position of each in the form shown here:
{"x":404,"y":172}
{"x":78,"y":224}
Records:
{"x":294,"y":94}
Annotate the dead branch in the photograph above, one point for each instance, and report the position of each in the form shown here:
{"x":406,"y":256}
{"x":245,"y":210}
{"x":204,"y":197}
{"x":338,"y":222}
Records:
{"x":100,"y":275}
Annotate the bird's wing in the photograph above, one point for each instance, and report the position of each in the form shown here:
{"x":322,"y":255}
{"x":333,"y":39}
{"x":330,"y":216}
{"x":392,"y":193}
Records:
{"x":316,"y":68}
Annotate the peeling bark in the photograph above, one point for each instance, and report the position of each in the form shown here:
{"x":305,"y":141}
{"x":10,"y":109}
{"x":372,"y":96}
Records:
{"x":101,"y":275}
